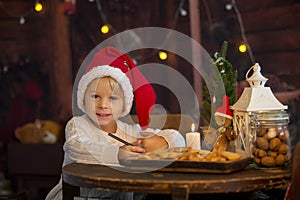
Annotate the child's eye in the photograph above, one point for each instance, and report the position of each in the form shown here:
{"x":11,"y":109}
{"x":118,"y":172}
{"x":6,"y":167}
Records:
{"x":95,"y":96}
{"x":114,"y":97}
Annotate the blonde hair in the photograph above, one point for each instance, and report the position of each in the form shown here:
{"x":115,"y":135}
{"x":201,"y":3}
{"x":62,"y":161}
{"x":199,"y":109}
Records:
{"x":113,"y":84}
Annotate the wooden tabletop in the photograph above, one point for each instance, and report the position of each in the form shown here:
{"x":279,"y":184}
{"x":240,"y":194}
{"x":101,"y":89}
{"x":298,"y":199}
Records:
{"x":180,"y":185}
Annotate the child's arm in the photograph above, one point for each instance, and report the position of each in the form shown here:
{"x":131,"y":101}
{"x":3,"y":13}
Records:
{"x":154,"y":140}
{"x":81,"y":145}
{"x":126,"y":151}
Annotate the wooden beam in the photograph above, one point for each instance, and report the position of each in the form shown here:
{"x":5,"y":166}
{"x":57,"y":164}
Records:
{"x":61,"y":60}
{"x":195,"y":28}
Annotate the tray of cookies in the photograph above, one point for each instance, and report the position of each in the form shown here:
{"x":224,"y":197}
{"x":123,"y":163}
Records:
{"x":185,"y":159}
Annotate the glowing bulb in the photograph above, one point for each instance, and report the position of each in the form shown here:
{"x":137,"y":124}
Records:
{"x":163,"y":55}
{"x":242,"y":48}
{"x":38,"y":7}
{"x":228,"y":6}
{"x":105,"y":29}
{"x":183,"y":12}
{"x":22,"y":20}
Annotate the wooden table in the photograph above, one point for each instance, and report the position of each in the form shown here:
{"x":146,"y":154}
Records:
{"x":179,"y":185}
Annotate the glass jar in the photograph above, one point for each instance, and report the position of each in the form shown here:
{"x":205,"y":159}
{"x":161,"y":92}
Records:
{"x":271,"y":144}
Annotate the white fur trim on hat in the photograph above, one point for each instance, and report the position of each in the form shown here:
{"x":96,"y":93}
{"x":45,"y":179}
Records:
{"x":223,"y":115}
{"x":102,"y":71}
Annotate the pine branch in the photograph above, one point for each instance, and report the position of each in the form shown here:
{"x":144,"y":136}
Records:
{"x":229,"y":79}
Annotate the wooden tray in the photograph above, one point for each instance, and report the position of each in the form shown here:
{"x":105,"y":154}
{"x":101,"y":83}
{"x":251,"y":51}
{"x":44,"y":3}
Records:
{"x":186,"y":166}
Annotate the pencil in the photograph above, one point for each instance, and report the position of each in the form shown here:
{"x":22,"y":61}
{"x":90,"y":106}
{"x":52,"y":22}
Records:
{"x":119,"y":139}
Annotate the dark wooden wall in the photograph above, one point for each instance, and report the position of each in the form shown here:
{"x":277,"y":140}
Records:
{"x":35,"y":70}
{"x":272,"y":30}
{"x":43,"y":42}
{"x":273,"y":33}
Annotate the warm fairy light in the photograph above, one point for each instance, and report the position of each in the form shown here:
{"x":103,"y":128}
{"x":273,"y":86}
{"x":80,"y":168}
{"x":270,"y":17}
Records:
{"x":38,"y":7}
{"x":105,"y":29}
{"x":162,"y":55}
{"x":242,"y":48}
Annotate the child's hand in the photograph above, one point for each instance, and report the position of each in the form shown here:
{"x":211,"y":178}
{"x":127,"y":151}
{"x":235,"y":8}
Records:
{"x":129,"y":151}
{"x":153,"y":142}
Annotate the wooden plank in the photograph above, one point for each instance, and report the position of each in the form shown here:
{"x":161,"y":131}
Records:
{"x":273,"y":41}
{"x":291,"y":79}
{"x":281,"y":63}
{"x":107,"y":178}
{"x":13,"y":8}
{"x":250,"y":5}
{"x":34,"y":156}
{"x":268,"y":19}
{"x":13,"y":29}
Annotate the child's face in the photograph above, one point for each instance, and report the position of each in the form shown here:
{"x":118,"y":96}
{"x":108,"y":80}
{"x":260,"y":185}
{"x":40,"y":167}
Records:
{"x":104,"y":104}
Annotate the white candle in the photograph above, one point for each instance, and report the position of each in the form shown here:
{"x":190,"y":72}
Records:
{"x":193,"y":138}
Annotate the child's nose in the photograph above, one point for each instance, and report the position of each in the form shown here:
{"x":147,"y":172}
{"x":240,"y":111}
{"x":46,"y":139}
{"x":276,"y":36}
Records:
{"x":103,"y":103}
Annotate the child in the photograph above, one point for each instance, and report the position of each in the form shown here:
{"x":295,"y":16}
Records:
{"x":105,"y":93}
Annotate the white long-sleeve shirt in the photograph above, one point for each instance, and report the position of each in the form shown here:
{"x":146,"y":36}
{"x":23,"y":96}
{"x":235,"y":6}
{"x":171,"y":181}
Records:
{"x":86,"y":143}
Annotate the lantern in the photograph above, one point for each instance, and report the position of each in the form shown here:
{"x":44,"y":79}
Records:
{"x":254,"y":100}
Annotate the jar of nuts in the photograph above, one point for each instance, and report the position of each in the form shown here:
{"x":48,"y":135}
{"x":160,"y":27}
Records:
{"x":271,"y":145}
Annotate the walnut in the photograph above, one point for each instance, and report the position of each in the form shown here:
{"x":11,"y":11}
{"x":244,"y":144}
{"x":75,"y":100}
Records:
{"x":283,"y":135}
{"x":261,"y":132}
{"x":256,"y":160}
{"x":283,"y":149}
{"x":253,"y":151}
{"x":271,"y":133}
{"x":262,"y":143}
{"x":280,"y":159}
{"x":274,"y":144}
{"x":266,"y":137}
{"x":268,"y":161}
{"x":261,"y":153}
{"x":272,"y":154}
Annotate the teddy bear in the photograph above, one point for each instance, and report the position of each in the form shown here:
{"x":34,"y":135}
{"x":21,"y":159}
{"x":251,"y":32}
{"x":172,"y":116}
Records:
{"x":40,"y":131}
{"x":224,"y":119}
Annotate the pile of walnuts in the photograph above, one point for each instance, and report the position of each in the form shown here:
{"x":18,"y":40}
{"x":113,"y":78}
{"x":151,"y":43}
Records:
{"x":271,"y":147}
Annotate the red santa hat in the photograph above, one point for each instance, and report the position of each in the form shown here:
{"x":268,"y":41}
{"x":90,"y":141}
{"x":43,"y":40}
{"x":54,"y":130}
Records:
{"x":224,"y":110}
{"x":111,"y":62}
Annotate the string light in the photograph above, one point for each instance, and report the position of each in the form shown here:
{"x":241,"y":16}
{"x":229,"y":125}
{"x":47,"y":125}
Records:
{"x":22,"y":20}
{"x":38,"y":6}
{"x":105,"y":29}
{"x":162,"y":55}
{"x":242,"y":48}
{"x":242,"y":28}
{"x":183,"y":12}
{"x":228,"y":6}
{"x":21,"y":17}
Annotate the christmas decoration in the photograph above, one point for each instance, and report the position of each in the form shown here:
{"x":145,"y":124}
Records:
{"x":37,"y":7}
{"x":229,"y":80}
{"x":256,"y":101}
